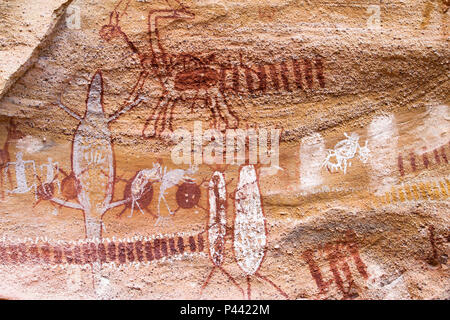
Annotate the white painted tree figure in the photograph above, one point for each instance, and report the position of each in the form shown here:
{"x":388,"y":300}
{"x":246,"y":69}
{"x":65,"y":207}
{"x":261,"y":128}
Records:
{"x":93,"y":159}
{"x":21,"y":174}
{"x":344,"y":151}
{"x":93,"y":167}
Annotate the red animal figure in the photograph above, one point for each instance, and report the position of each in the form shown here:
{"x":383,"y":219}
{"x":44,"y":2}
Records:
{"x":144,"y":198}
{"x":198,"y":78}
{"x":188,"y":195}
{"x":191,"y":79}
{"x":44,"y":191}
{"x":184,"y":78}
{"x":13,"y":134}
{"x":250,"y":232}
{"x":70,"y":185}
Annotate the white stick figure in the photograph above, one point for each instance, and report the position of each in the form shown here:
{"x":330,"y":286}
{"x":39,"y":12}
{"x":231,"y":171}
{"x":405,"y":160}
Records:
{"x":21,"y":177}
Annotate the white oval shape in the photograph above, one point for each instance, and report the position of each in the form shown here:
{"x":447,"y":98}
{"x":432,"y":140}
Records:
{"x":249,"y":224}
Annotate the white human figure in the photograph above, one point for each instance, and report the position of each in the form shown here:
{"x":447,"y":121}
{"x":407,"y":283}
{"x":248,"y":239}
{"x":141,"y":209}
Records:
{"x":21,"y":176}
{"x":50,"y":172}
{"x":170,"y":179}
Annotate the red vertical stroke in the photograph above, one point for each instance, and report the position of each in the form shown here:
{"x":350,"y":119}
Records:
{"x":192,"y":245}
{"x":274,"y":77}
{"x":400,"y":165}
{"x":139,"y":250}
{"x":308,"y":72}
{"x":285,"y":76}
{"x":148,"y":251}
{"x":319,"y":71}
{"x":314,"y":270}
{"x":297,"y":73}
{"x":180,"y":244}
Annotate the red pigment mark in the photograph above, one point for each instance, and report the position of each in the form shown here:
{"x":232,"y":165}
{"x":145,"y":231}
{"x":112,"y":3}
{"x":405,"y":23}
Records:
{"x":173,"y":250}
{"x":222,"y":81}
{"x":308,"y":73}
{"x":192,"y":245}
{"x":236,"y":79}
{"x":297,"y":73}
{"x":93,"y":253}
{"x":315,"y":271}
{"x":102,"y":252}
{"x":45,"y":250}
{"x":188,"y":195}
{"x":121,"y":253}
{"x":156,"y":247}
{"x":426,"y":163}
{"x":180,"y":244}
{"x":34,"y":253}
{"x":130,"y":253}
{"x":400,"y":165}
{"x":436,"y":156}
{"x":444,"y":155}
{"x":77,"y":254}
{"x":336,"y":255}
{"x":139,"y":253}
{"x":274,"y":77}
{"x":58,"y":254}
{"x":23,"y":256}
{"x":434,"y":259}
{"x":13,"y":253}
{"x":262,"y":78}
{"x":148,"y":251}
{"x":319,"y":69}
{"x":413,"y":161}
{"x":112,"y":251}
{"x":164,"y":247}
{"x":201,"y":244}
{"x":353,"y":247}
{"x":87,"y":253}
{"x":249,"y":79}
{"x":68,"y":254}
{"x":3,"y":257}
{"x":284,"y":76}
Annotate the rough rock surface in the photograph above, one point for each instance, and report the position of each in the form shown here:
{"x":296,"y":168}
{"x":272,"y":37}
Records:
{"x":26,"y":26}
{"x":93,"y":204}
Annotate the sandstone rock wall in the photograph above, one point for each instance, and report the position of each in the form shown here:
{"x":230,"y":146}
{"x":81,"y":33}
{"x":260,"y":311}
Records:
{"x":352,"y":204}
